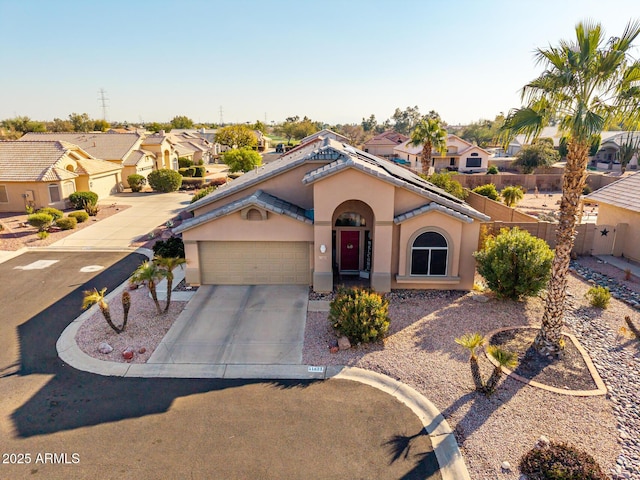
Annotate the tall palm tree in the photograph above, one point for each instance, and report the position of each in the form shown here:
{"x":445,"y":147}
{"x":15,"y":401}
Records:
{"x":471,"y":341}
{"x":168,"y":264}
{"x":91,"y":297}
{"x":150,"y":274}
{"x":588,"y":83}
{"x":430,"y":134}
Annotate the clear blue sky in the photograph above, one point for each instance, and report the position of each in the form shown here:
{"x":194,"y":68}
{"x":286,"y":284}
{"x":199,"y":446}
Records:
{"x":332,"y":60}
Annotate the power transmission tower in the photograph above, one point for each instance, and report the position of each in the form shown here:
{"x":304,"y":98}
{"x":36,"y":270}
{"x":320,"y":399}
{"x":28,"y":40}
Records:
{"x":221,"y":118}
{"x":103,"y":103}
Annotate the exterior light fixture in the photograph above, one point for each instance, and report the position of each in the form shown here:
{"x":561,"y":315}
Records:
{"x":323,"y":248}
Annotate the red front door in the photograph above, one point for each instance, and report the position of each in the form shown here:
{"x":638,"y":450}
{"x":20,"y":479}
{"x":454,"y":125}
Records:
{"x":349,"y":250}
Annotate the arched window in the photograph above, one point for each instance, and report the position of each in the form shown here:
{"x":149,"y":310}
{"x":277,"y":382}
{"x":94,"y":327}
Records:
{"x":429,"y":254}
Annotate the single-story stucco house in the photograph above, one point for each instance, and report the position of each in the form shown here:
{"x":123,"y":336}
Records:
{"x":331,"y":212}
{"x":44,"y":174}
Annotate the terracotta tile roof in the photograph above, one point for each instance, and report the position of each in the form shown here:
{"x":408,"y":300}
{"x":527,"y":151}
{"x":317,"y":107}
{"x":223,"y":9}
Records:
{"x":33,"y":161}
{"x":625,"y":193}
{"x":106,"y":146}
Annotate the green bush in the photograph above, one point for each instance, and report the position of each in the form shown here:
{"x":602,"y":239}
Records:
{"x":241,"y":159}
{"x":81,"y":199}
{"x":169,"y":248}
{"x":41,"y":221}
{"x":560,"y":461}
{"x":67,"y":223}
{"x":586,"y":190}
{"x":184,"y":163}
{"x":164,"y":180}
{"x":200,"y":171}
{"x":136,"y":182}
{"x":492,"y":170}
{"x":489,"y":190}
{"x":187,"y":171}
{"x":514,"y":263}
{"x":359,"y":314}
{"x":80,"y":216}
{"x":192,"y":183}
{"x":203,"y":193}
{"x":54,"y":212}
{"x":598,"y":296}
{"x":444,"y":181}
{"x":43,"y":234}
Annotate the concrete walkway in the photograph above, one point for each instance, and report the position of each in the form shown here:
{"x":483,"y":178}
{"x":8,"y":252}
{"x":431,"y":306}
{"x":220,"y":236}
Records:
{"x":621,"y":263}
{"x":147,"y":211}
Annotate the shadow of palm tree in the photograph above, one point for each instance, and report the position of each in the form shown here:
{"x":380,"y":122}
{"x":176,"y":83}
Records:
{"x":425,"y":461}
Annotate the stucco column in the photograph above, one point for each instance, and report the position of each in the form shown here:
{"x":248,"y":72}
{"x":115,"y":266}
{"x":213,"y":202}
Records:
{"x":382,"y":242}
{"x":322,"y":267}
{"x":192,"y":270}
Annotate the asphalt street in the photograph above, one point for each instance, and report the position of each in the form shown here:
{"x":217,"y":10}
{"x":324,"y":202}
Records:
{"x":58,"y":422}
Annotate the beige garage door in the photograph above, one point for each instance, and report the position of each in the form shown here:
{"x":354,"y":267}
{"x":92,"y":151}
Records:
{"x":254,"y":263}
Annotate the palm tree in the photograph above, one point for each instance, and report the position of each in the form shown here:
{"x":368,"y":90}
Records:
{"x":504,"y":359}
{"x":429,"y":133}
{"x":126,"y":305}
{"x":512,"y":195}
{"x":472,"y":341}
{"x":168,"y":264}
{"x":94,"y":296}
{"x":149,"y":273}
{"x":587,"y":83}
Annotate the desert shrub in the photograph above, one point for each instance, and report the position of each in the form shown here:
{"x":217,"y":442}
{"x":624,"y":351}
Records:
{"x":489,"y":190}
{"x":136,"y":182}
{"x":203,"y":193}
{"x":41,"y":221}
{"x":359,"y":314}
{"x":218,"y":181}
{"x":492,"y":170}
{"x":169,"y":248}
{"x":164,"y":180}
{"x":598,"y":296}
{"x":91,"y":209}
{"x":80,"y":216}
{"x":514,"y":263}
{"x":67,"y":223}
{"x":241,"y":159}
{"x":560,"y":461}
{"x":192,"y":183}
{"x":54,"y":212}
{"x":43,"y":234}
{"x":187,"y":171}
{"x":80,"y":199}
{"x":184,"y":163}
{"x":200,"y":171}
{"x":586,"y":190}
{"x":444,"y":181}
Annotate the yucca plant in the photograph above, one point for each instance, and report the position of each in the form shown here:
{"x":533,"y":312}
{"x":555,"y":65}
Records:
{"x":504,"y":359}
{"x":92,"y":297}
{"x":472,"y":341}
{"x":168,"y":264}
{"x":150,"y":274}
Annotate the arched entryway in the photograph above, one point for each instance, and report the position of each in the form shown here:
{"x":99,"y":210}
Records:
{"x":352,"y":241}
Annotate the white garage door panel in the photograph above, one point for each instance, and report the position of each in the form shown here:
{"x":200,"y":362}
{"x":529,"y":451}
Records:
{"x":254,"y":263}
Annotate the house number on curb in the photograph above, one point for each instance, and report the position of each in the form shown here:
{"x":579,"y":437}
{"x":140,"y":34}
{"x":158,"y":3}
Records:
{"x":316,"y":369}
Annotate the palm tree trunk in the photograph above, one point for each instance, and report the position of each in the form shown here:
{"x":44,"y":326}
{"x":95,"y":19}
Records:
{"x":169,"y":287}
{"x":475,"y":373}
{"x":154,"y":295}
{"x":549,"y":337}
{"x":107,"y":316}
{"x":126,"y":305}
{"x":492,"y":383}
{"x":425,"y":156}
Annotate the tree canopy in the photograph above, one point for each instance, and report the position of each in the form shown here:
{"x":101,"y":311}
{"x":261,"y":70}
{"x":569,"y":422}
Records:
{"x":181,"y":121}
{"x":241,"y":159}
{"x":538,"y":154}
{"x":236,"y":136}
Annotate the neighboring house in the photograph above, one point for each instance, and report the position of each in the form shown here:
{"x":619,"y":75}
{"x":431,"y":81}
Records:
{"x":618,"y":209}
{"x":382,"y":145}
{"x":325,"y":133}
{"x":461,"y":156}
{"x":608,"y":156}
{"x":264,"y":142}
{"x":132,"y":151}
{"x":193,"y":145}
{"x":520,"y":141}
{"x":44,"y":174}
{"x":336,"y":211}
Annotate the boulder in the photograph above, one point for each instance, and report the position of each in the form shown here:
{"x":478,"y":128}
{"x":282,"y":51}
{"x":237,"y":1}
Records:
{"x":105,"y":348}
{"x":127,"y":353}
{"x":344,"y":343}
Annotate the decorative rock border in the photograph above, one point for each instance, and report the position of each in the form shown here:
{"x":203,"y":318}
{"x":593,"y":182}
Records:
{"x":601,"y":390}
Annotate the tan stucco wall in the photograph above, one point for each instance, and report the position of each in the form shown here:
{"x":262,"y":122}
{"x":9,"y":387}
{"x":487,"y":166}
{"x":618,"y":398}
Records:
{"x":610,"y":215}
{"x":15,"y":190}
{"x":381,"y":150}
{"x":287,"y":186}
{"x":405,"y":201}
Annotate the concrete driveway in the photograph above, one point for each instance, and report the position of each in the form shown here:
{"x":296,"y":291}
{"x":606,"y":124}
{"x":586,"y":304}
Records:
{"x":238,"y":325}
{"x":146,"y":212}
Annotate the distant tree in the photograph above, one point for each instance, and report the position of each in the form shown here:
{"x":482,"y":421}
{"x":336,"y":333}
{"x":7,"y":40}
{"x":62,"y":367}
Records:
{"x":81,"y":122}
{"x":539,"y":154}
{"x":594,"y":144}
{"x":23,"y":125}
{"x":406,"y":120}
{"x":259,"y":126}
{"x":101,"y":126}
{"x":181,"y":121}
{"x":630,"y":146}
{"x":59,"y":125}
{"x":483,"y":132}
{"x":355,"y":133}
{"x":370,"y":124}
{"x":236,"y":136}
{"x":430,"y":134}
{"x":445,"y":182}
{"x":156,"y":127}
{"x":241,"y":159}
{"x":293,"y":127}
